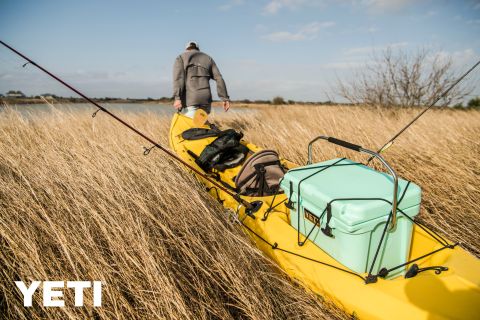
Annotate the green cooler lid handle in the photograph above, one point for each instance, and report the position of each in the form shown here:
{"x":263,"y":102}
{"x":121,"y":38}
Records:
{"x":358,"y":148}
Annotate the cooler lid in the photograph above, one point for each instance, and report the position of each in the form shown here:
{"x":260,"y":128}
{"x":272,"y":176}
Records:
{"x":349,"y":179}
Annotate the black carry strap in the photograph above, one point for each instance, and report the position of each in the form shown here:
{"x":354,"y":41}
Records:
{"x":200,"y":133}
{"x":260,"y":184}
{"x":257,"y":171}
{"x":191,"y":154}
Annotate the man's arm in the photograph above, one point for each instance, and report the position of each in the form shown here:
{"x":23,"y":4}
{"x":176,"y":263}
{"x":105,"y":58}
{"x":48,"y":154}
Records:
{"x":178,"y":82}
{"x":221,"y":87}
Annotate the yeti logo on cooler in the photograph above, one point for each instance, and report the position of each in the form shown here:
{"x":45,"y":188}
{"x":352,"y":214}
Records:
{"x":54,"y":289}
{"x":311,"y":217}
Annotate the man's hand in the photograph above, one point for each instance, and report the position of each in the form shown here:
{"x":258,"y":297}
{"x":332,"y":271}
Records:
{"x":226,"y":105}
{"x":177,"y":104}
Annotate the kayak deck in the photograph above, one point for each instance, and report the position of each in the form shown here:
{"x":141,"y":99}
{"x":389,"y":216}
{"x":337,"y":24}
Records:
{"x":452,"y":294}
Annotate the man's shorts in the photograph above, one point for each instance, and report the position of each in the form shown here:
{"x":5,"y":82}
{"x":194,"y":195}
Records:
{"x":190,"y":111}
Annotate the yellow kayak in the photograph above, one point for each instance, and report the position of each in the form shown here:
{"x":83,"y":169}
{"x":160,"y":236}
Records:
{"x":451,"y":294}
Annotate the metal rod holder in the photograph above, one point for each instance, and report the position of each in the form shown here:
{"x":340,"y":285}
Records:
{"x":358,"y":148}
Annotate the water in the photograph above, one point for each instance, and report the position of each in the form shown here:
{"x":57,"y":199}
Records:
{"x":160,"y":109}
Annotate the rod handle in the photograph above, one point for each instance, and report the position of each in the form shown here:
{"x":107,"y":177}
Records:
{"x":343,"y":143}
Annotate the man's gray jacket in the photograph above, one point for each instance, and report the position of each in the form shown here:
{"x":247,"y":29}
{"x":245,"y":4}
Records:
{"x":191,"y":75}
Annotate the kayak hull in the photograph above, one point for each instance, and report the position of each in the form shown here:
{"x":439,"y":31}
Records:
{"x":452,"y":294}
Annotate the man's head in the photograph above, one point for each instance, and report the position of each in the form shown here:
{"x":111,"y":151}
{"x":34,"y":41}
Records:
{"x":192,"y":45}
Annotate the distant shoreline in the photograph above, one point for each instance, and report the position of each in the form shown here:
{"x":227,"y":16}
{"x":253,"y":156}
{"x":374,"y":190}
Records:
{"x":36,"y":100}
{"x":10,"y":101}
{"x":163,"y":100}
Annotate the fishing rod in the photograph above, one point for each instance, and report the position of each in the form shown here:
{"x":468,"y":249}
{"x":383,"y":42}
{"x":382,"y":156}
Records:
{"x":389,"y":143}
{"x":237,"y":197}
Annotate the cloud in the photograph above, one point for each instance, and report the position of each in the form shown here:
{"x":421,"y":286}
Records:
{"x":282,"y":36}
{"x":260,"y":28}
{"x":294,"y":87}
{"x":307,"y":32}
{"x":386,"y":5}
{"x":275,"y":6}
{"x":230,"y":4}
{"x":460,"y":58}
{"x":360,"y":56}
{"x":372,"y":49}
{"x":5,"y":76}
{"x":345,"y":65}
{"x":474,"y":21}
{"x":374,"y":6}
{"x":94,"y":83}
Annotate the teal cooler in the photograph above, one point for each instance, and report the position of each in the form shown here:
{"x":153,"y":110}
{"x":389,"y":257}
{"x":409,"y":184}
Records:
{"x":356,"y":225}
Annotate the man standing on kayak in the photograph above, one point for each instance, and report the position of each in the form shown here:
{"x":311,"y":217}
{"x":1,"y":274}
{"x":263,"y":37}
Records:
{"x":192,"y":72}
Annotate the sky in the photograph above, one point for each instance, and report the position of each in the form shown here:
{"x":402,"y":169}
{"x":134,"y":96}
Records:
{"x":293,"y":48}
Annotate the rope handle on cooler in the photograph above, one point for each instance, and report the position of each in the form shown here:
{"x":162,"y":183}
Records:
{"x":358,"y":148}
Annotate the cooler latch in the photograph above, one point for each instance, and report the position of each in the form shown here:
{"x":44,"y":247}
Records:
{"x":328,"y":230}
{"x":290,"y":203}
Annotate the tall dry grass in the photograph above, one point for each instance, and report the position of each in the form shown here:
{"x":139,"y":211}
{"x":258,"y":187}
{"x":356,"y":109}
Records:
{"x":79,"y":201}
